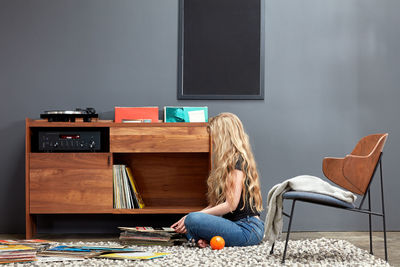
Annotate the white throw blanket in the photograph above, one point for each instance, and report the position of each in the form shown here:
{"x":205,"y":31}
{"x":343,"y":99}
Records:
{"x":305,"y":183}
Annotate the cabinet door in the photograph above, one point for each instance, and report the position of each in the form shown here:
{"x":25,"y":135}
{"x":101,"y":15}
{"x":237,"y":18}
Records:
{"x":70,"y":183}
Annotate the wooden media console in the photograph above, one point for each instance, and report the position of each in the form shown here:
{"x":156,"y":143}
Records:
{"x":170,"y":164}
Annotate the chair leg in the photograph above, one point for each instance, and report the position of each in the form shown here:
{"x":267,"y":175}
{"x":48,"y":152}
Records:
{"x":383,"y":211}
{"x":288,"y":232}
{"x":272,"y":249}
{"x":384,"y":237}
{"x":370,"y":223}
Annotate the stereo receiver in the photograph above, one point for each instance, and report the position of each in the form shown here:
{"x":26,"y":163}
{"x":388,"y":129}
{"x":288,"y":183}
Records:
{"x":70,"y":140}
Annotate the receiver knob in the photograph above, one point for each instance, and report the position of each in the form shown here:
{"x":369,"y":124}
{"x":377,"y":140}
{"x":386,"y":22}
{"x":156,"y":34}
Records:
{"x":92,"y":145}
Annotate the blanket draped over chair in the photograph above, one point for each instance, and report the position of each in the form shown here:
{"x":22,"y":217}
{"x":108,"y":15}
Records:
{"x":304,"y":183}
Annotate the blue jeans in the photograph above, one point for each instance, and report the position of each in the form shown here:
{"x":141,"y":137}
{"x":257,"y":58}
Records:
{"x":244,"y":232}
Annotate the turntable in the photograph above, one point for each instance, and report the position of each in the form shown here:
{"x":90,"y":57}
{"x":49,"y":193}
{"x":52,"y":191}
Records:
{"x":85,"y":115}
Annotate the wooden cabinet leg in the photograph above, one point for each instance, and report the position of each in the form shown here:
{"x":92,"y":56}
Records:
{"x":30,"y":226}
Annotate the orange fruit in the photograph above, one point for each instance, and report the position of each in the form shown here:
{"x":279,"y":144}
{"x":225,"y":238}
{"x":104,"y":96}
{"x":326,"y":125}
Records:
{"x":217,"y":242}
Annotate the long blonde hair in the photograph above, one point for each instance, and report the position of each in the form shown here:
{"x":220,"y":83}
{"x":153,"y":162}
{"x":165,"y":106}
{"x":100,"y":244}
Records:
{"x":230,"y":145}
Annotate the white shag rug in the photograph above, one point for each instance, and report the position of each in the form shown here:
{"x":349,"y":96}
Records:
{"x":317,"y":252}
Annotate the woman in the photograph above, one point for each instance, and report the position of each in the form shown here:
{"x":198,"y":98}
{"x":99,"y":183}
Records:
{"x":233,"y":194}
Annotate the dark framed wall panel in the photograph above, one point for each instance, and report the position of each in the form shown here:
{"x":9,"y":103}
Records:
{"x":221,"y":49}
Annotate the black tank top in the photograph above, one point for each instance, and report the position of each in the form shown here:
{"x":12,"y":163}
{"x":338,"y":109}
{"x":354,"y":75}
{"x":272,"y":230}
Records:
{"x":240,"y":213}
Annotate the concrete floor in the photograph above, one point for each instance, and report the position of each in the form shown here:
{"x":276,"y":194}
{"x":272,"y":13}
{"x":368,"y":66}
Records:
{"x":359,"y":239}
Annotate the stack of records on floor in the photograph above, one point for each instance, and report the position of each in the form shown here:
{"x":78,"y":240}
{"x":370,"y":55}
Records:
{"x":143,"y":236}
{"x":17,"y":253}
{"x":126,"y":193}
{"x":69,"y":253}
{"x":38,"y":244}
{"x":82,"y":251}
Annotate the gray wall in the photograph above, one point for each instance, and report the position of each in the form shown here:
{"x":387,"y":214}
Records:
{"x":332,"y":76}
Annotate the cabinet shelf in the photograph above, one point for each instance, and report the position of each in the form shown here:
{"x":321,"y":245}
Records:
{"x":159,"y":210}
{"x":146,"y":210}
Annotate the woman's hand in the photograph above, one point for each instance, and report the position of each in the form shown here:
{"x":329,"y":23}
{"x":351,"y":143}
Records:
{"x":179,"y":226}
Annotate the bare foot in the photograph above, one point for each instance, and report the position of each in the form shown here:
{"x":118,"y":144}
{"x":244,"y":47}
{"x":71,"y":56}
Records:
{"x":202,"y":243}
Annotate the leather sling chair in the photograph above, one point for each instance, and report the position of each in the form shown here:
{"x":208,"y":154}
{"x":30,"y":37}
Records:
{"x":354,"y":172}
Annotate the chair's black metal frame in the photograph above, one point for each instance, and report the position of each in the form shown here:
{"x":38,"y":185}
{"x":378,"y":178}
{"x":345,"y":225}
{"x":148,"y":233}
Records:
{"x":356,"y":209}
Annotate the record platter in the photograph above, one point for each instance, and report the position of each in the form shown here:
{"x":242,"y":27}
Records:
{"x":85,"y":115}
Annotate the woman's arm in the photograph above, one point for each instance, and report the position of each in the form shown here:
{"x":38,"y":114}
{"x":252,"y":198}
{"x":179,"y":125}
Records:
{"x":206,"y":208}
{"x":229,"y":205}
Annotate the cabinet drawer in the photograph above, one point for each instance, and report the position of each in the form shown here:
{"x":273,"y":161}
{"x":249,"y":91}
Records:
{"x":70,"y":160}
{"x":159,"y":139}
{"x":70,"y":183}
